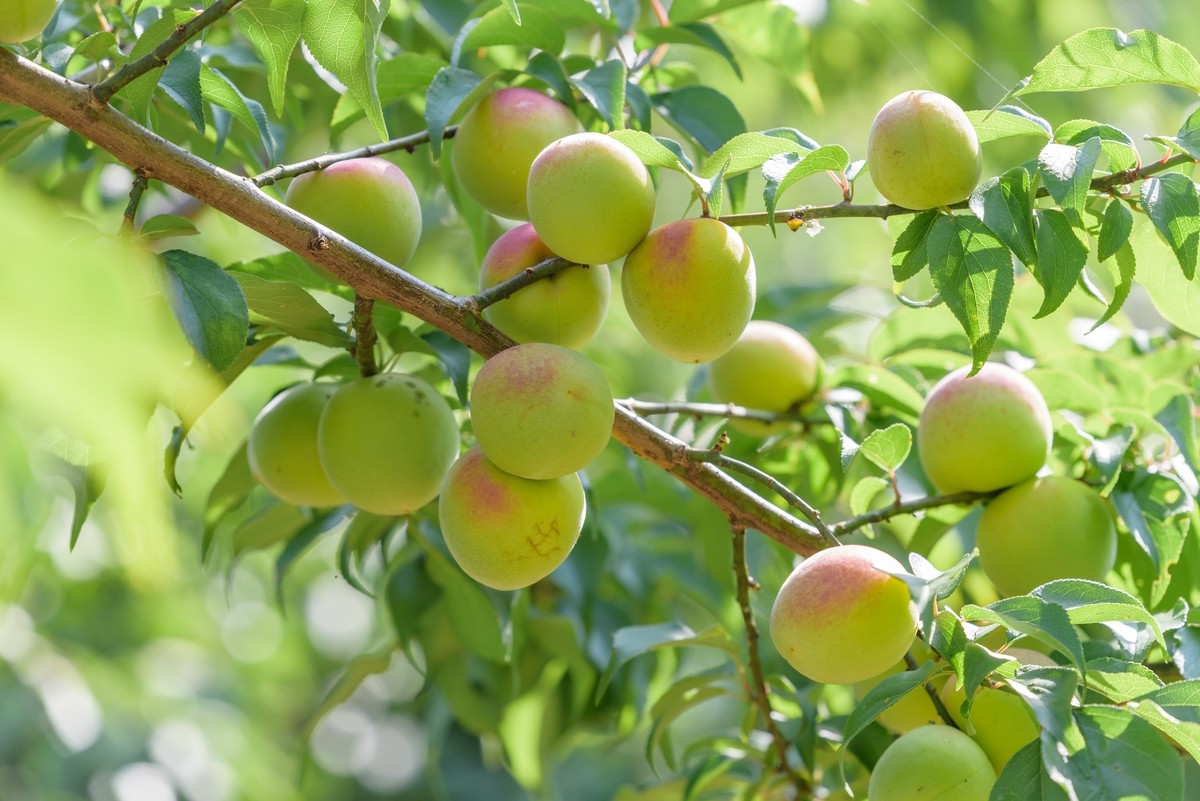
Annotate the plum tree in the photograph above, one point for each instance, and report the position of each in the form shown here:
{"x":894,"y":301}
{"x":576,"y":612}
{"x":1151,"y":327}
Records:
{"x":1045,"y":529}
{"x":506,"y":531}
{"x":983,"y":432}
{"x":370,"y":201}
{"x":590,"y":198}
{"x":840,"y":619}
{"x":771,"y":367}
{"x":387,"y":441}
{"x":689,"y":288}
{"x":932,"y":763}
{"x":566,"y":308}
{"x":282,"y":447}
{"x":497,"y":142}
{"x":541,"y":411}
{"x":923,"y":152}
{"x":22,"y":20}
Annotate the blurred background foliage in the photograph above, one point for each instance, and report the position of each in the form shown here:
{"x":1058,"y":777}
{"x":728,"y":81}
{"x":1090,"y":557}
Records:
{"x":131,"y":670}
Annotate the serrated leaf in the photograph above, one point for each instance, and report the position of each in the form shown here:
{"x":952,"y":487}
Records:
{"x":909,"y":253}
{"x":398,"y":78}
{"x":549,"y":70}
{"x":1007,"y":121}
{"x":882,"y":696}
{"x":1030,"y":615}
{"x":1171,"y":203}
{"x":181,"y":81}
{"x":1115,"y":228}
{"x":784,"y":170}
{"x":1188,"y":138}
{"x":273,"y":28}
{"x":973,"y":272}
{"x":209,"y":305}
{"x":1067,"y":174}
{"x":535,"y":28}
{"x":1115,"y":144}
{"x":513,"y":10}
{"x":698,"y":34}
{"x":290,"y":309}
{"x":1123,"y":268}
{"x":165,"y":226}
{"x":887,"y":448}
{"x":1121,"y":757}
{"x":604,"y":88}
{"x":1093,"y":602}
{"x":1049,"y":692}
{"x":702,"y":113}
{"x":1023,"y":778}
{"x":748,"y":151}
{"x":1005,"y":206}
{"x":446,"y":94}
{"x":1102,"y":57}
{"x":1175,"y":297}
{"x":1060,"y":258}
{"x":658,"y":151}
{"x":1120,"y":681}
{"x":341,"y":35}
{"x":1108,"y":454}
{"x":221,"y":91}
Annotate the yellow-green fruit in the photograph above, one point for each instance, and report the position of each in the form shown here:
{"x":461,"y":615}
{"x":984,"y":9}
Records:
{"x":932,"y":763}
{"x":282,"y":448}
{"x":1000,"y":722}
{"x":985,"y":432}
{"x":589,"y":198}
{"x":771,"y":367}
{"x":497,"y":142}
{"x":839,"y":619}
{"x":1045,"y":529}
{"x":22,"y":20}
{"x":541,"y":411}
{"x":913,"y":710}
{"x":387,"y":441}
{"x":370,"y":201}
{"x":923,"y":151}
{"x":689,"y":288}
{"x":505,"y":531}
{"x":565,"y":309}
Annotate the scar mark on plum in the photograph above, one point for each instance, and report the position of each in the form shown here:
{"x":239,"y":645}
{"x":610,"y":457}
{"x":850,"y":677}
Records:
{"x":543,"y":542}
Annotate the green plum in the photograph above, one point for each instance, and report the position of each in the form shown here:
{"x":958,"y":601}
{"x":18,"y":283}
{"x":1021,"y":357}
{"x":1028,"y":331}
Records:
{"x":983,"y":432}
{"x":771,"y":367}
{"x":387,"y":441}
{"x":282,"y":447}
{"x":370,"y":201}
{"x":541,"y":411}
{"x":923,"y":151}
{"x":589,"y":198}
{"x":840,"y":619}
{"x":504,"y":531}
{"x":22,"y":20}
{"x":565,"y":309}
{"x":932,"y":763}
{"x":689,"y":288}
{"x":1045,"y":529}
{"x":497,"y":142}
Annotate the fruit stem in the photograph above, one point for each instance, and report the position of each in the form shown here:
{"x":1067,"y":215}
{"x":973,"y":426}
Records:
{"x":407,"y":143}
{"x":365,"y":338}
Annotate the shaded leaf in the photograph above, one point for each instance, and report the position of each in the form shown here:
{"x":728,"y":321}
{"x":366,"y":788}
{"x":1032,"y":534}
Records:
{"x":209,"y":305}
{"x":1061,"y":257}
{"x":702,"y":113}
{"x":1171,"y":203}
{"x":604,"y":88}
{"x":1005,"y":206}
{"x":909,"y":253}
{"x":1067,"y":173}
{"x":290,"y":309}
{"x":698,"y":34}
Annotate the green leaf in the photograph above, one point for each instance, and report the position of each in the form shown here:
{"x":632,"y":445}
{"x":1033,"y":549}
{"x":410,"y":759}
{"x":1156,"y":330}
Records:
{"x":299,"y":543}
{"x":455,"y":359}
{"x":909,"y":253}
{"x":683,"y":695}
{"x":633,"y":641}
{"x":748,"y":151}
{"x":87,"y":483}
{"x":1123,"y":268}
{"x":1108,"y":454}
{"x":290,"y":309}
{"x":140,"y":90}
{"x":221,"y":91}
{"x":209,"y":305}
{"x":1174,"y":710}
{"x":1102,"y":57}
{"x":864,"y":493}
{"x":1171,"y":203}
{"x":1188,"y":138}
{"x":887,"y":448}
{"x":341,"y":35}
{"x":226,"y":495}
{"x":1005,"y":206}
{"x":165,"y":226}
{"x":1030,"y":615}
{"x":698,"y":34}
{"x":1093,"y":602}
{"x":1175,"y":297}
{"x":1067,"y":173}
{"x":408,"y":594}
{"x":973,"y":272}
{"x":473,"y":617}
{"x":1061,"y":257}
{"x":1023,"y":778}
{"x":604,"y":88}
{"x":399,"y":78}
{"x":343,"y":687}
{"x":1121,"y":681}
{"x":272,"y":525}
{"x":658,"y":151}
{"x":1178,"y":417}
{"x":549,"y":70}
{"x":702,"y":113}
{"x":1115,"y":144}
{"x":882,"y":387}
{"x":536,"y":28}
{"x":513,"y":10}
{"x":446,"y":94}
{"x":1121,"y":757}
{"x":181,"y":81}
{"x":882,"y":696}
{"x":1115,"y":227}
{"x":787,"y":168}
{"x":273,"y":28}
{"x":1049,"y":693}
{"x":15,"y":138}
{"x":1007,"y":121}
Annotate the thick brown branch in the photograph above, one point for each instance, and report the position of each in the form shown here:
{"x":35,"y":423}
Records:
{"x":72,"y":105}
{"x":408,"y":143}
{"x":908,"y":507}
{"x":506,"y":289}
{"x":158,"y":57}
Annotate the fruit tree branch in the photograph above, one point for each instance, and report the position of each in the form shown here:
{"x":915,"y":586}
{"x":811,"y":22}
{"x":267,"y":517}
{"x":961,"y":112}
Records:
{"x":506,"y":289}
{"x":158,"y":57}
{"x":364,"y":336}
{"x":908,"y":507}
{"x":73,"y":105}
{"x":129,"y":219}
{"x":408,"y":143}
{"x":910,"y":663}
{"x":730,"y":411}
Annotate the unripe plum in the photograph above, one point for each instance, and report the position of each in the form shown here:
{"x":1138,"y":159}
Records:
{"x":689,"y":288}
{"x":497,"y":142}
{"x":370,"y":201}
{"x":565,"y":309}
{"x":771,"y":367}
{"x":983,"y":432}
{"x":932,"y":763}
{"x":589,"y":198}
{"x":505,"y":531}
{"x":22,"y":20}
{"x":839,"y":619}
{"x":282,"y":447}
{"x":541,"y":411}
{"x":387,"y":441}
{"x":1045,"y":529}
{"x":923,"y":151}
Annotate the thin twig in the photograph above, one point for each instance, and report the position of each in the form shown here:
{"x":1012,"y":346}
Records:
{"x":759,"y":692}
{"x":364,"y":336}
{"x":407,"y":143}
{"x":159,"y":56}
{"x":908,"y":507}
{"x":530,"y":275}
{"x":729,"y":411}
{"x":911,"y":663}
{"x":140,"y":182}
